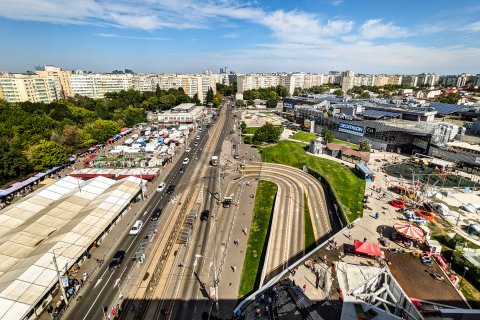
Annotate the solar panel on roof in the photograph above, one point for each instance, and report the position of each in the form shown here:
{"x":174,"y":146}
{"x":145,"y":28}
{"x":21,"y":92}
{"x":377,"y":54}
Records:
{"x":380,"y":113}
{"x":446,"y":108}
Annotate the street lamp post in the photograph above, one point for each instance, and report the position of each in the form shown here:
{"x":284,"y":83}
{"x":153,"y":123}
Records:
{"x":215,"y":279}
{"x":463,"y":277}
{"x":59,"y":276}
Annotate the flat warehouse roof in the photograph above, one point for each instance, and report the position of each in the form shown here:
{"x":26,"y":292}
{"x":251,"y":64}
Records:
{"x":73,"y":214}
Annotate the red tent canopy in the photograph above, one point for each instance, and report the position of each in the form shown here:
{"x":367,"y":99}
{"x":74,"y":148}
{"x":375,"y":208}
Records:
{"x":372,"y":249}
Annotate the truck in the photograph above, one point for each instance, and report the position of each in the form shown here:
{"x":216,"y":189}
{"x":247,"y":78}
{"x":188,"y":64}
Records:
{"x":214,"y":161}
{"x":227,"y":202}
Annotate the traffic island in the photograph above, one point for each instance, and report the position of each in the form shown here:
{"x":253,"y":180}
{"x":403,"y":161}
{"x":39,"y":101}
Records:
{"x":257,"y":239}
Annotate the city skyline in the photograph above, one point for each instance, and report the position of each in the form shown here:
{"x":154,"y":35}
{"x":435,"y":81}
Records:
{"x":248,"y":37}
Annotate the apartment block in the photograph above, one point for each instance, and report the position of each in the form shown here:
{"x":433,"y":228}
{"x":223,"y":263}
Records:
{"x":63,"y":76}
{"x":29,"y":87}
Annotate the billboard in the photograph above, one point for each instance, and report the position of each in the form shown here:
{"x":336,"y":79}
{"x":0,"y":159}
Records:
{"x":351,"y":128}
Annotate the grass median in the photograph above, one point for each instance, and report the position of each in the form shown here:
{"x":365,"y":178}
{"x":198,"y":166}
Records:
{"x":309,"y":234}
{"x":257,"y":238}
{"x":304,"y":136}
{"x":348,"y":189}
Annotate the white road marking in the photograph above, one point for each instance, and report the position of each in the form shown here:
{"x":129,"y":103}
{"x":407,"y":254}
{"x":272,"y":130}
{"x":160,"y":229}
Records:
{"x":96,"y":284}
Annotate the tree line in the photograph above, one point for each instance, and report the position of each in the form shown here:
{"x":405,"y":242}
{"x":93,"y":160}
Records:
{"x":37,"y":136}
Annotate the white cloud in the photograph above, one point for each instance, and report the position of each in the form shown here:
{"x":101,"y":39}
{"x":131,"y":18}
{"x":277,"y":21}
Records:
{"x":301,"y":27}
{"x":112,"y":35}
{"x":361,"y":56}
{"x":374,"y":28}
{"x":473,"y":27}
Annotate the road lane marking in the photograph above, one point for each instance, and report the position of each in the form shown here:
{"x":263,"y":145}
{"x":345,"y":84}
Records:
{"x":98,"y":296}
{"x":96,"y":284}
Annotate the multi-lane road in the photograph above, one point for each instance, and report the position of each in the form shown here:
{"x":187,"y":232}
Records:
{"x":104,"y":290}
{"x":181,"y":280}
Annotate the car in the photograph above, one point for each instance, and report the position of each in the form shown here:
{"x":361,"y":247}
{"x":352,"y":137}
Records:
{"x":116,"y":260}
{"x":426,"y":260}
{"x":156,"y":214}
{"x":196,"y":144}
{"x":171,"y":188}
{"x":198,"y":138}
{"x":137,"y":226}
{"x":187,"y":150}
{"x":204,"y":215}
{"x":181,"y":170}
{"x":161,"y":186}
{"x":186,"y":161}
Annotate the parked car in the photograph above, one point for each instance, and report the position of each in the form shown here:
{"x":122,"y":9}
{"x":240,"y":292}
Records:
{"x":161,"y":186}
{"x":187,"y":150}
{"x":204,"y":215}
{"x":181,"y":170}
{"x":198,"y":138}
{"x":196,"y":144}
{"x":116,"y":260}
{"x":426,"y":260}
{"x":137,"y":226}
{"x":186,"y":161}
{"x":156,"y":214}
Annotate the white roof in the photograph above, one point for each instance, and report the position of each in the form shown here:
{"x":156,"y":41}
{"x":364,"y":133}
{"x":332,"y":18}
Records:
{"x":65,"y":218}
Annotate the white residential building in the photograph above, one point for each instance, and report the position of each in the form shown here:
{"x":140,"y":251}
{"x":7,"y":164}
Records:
{"x":30,"y":87}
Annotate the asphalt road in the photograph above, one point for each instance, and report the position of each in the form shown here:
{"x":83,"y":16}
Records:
{"x":104,"y":290}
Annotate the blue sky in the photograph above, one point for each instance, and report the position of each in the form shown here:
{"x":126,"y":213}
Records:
{"x":158,"y":36}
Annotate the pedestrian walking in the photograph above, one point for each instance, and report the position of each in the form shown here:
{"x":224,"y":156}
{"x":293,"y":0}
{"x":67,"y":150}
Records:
{"x":365,"y":239}
{"x":234,"y":268}
{"x":85,"y":276}
{"x":245,"y":230}
{"x":349,"y":235}
{"x":304,"y":287}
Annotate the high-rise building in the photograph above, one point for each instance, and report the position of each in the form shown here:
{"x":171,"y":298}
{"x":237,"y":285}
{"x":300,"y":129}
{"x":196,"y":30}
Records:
{"x":63,"y":76}
{"x":348,"y":78}
{"x":30,"y":87}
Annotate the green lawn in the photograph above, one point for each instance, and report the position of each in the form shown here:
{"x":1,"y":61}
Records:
{"x":309,"y":234}
{"x":347,"y":188}
{"x":471,"y":294}
{"x":257,"y":238}
{"x":304,"y":136}
{"x":351,"y":145}
{"x":250,"y":130}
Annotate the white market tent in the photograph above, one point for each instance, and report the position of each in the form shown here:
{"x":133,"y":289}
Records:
{"x":64,"y":218}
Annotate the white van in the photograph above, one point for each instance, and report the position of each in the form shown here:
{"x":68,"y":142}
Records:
{"x":137,"y":226}
{"x":186,"y":161}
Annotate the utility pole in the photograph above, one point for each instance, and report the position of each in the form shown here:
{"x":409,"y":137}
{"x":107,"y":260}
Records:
{"x":59,"y":278}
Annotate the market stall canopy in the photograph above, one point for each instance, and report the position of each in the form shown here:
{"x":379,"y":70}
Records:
{"x":409,"y":230}
{"x":372,"y":249}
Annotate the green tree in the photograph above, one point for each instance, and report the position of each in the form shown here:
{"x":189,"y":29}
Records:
{"x":338,"y":92}
{"x":364,"y":95}
{"x":243,"y":126}
{"x":239,"y":103}
{"x":46,"y":154}
{"x":250,"y":103}
{"x":327,"y":135}
{"x":132,"y":116}
{"x":365,"y":146}
{"x":449,"y":98}
{"x":267,"y":134}
{"x":101,"y":130}
{"x":72,"y":137}
{"x":281,"y":91}
{"x":167,"y":101}
{"x":271,"y":103}
{"x":195,"y":99}
{"x":158,"y":91}
{"x":13,"y":162}
{"x":209,"y":97}
{"x":297,"y":91}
